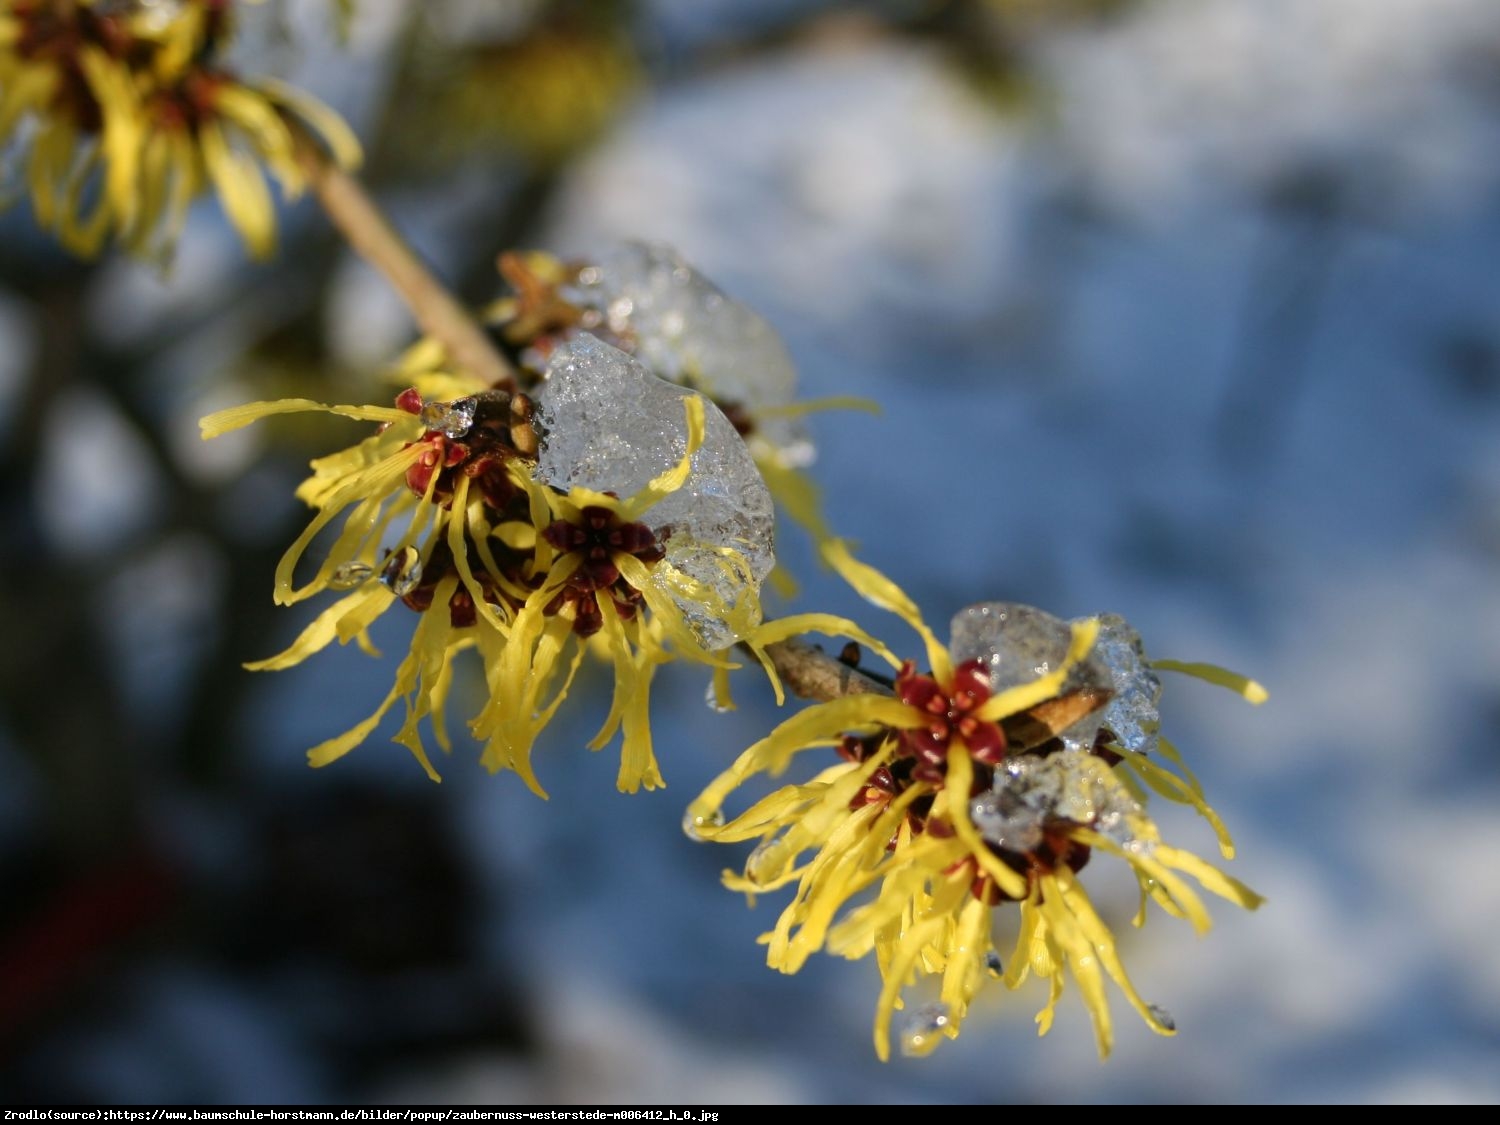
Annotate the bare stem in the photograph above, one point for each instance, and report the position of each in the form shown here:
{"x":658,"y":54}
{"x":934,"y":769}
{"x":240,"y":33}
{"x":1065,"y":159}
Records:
{"x":439,"y":313}
{"x":811,"y":673}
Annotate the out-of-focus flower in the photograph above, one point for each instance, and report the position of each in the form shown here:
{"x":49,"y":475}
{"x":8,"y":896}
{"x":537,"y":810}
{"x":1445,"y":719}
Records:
{"x":128,"y":117}
{"x":543,"y":92}
{"x":522,"y":527}
{"x":987,"y":779}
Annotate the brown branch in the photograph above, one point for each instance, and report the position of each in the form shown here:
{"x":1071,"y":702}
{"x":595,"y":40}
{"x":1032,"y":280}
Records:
{"x":811,"y":673}
{"x":440,"y":314}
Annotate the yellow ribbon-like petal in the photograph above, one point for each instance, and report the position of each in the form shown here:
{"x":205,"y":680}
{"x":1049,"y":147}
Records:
{"x":1242,"y":686}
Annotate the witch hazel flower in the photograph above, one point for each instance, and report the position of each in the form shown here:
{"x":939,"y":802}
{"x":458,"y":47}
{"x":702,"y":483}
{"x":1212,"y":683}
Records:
{"x":985,"y":780}
{"x":656,"y":532}
{"x":421,"y":500}
{"x":608,"y":504}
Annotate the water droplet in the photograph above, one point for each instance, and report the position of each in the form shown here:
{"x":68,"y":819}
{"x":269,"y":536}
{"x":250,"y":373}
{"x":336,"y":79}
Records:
{"x":1162,"y":1016}
{"x":402,"y":572}
{"x":922,"y":1030}
{"x":694,"y":820}
{"x":765,"y":861}
{"x":590,"y":275}
{"x":993,"y":963}
{"x":453,"y":419}
{"x":348,"y":575}
{"x":711,"y":697}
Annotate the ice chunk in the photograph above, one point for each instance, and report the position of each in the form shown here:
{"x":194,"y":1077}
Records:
{"x":1029,"y":791}
{"x":1020,"y":643}
{"x":686,"y":330}
{"x":1132,"y":715}
{"x":608,"y":424}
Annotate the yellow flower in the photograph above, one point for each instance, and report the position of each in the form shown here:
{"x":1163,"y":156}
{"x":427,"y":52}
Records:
{"x":425,"y":497}
{"x":949,"y":803}
{"x":599,"y":568}
{"x":545,"y":93}
{"x":498,"y":560}
{"x":134,"y":119}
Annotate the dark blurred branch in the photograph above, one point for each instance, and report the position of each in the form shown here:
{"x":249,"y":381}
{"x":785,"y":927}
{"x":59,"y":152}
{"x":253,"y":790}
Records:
{"x":71,"y":725}
{"x":438,"y":312}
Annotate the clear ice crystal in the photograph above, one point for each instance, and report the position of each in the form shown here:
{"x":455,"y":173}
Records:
{"x":348,"y":575}
{"x":1029,"y":791}
{"x":922,"y":1029}
{"x":1132,"y":715}
{"x":610,"y":425}
{"x":453,"y":419}
{"x":687,"y":331}
{"x":402,"y":571}
{"x":1020,"y":643}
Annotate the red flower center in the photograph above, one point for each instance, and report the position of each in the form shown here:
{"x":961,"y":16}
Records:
{"x":599,"y":536}
{"x":952,"y":714}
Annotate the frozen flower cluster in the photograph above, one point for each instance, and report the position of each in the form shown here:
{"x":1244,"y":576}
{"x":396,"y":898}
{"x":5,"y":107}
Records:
{"x":611,"y":498}
{"x":988,"y":780}
{"x":607,"y":504}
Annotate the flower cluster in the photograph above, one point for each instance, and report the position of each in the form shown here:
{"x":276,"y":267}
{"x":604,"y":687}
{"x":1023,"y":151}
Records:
{"x":617,"y":503}
{"x":608,"y":505}
{"x":990,"y":778}
{"x":128,"y":115}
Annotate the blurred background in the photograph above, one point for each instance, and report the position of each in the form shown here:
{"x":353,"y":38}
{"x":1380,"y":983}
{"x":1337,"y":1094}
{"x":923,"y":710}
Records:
{"x":1185,"y":309}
